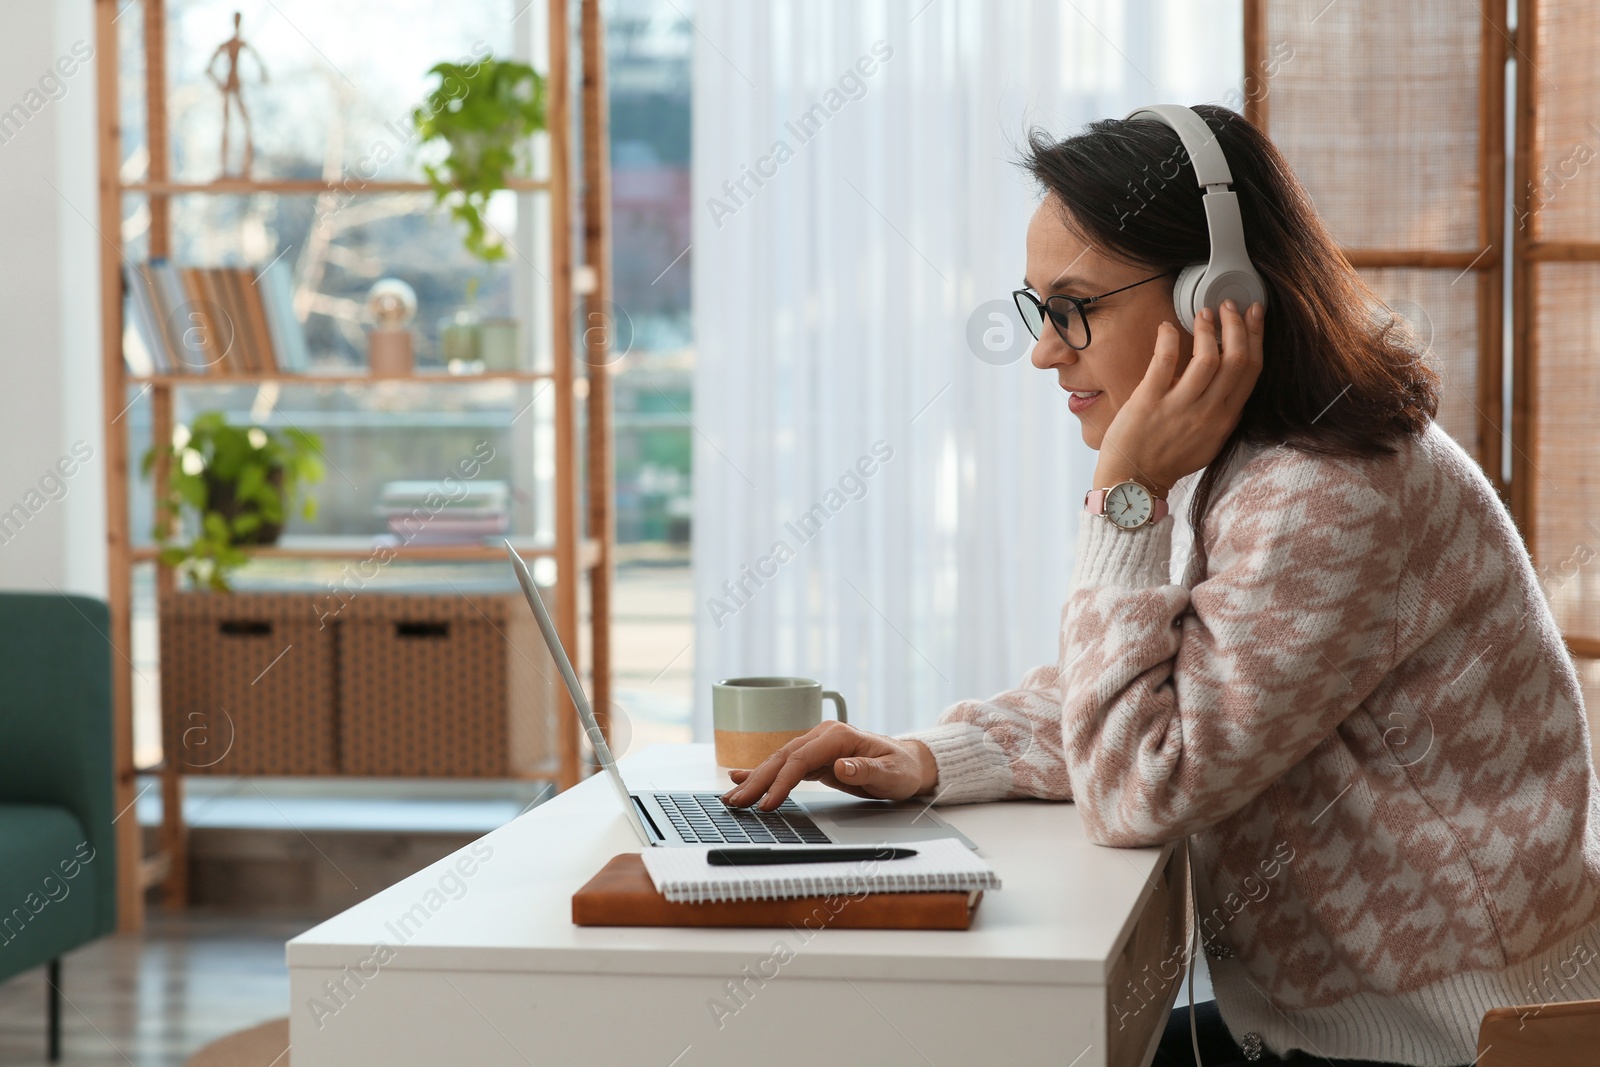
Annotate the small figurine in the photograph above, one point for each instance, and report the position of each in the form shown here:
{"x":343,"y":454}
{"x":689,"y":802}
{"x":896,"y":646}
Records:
{"x":230,"y":86}
{"x":390,"y":347}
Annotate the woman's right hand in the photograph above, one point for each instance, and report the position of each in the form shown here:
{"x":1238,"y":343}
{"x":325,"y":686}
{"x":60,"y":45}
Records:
{"x":854,"y":761}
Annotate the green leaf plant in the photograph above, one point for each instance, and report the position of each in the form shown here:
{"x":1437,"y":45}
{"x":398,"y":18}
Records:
{"x":235,"y":485}
{"x":484,"y":113}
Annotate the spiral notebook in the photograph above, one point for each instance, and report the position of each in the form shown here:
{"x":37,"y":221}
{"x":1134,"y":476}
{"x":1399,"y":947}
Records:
{"x":942,"y":864}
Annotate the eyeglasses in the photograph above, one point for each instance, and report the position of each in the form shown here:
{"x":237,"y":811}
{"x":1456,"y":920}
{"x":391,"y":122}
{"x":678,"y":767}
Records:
{"x":1068,"y":313}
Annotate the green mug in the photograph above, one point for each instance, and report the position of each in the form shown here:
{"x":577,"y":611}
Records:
{"x":754,"y":717}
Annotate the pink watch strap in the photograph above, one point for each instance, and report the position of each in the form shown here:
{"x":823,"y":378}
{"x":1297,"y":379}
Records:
{"x":1095,"y":501}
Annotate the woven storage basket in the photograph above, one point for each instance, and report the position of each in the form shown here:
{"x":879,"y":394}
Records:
{"x":447,"y":685}
{"x":248,"y":684}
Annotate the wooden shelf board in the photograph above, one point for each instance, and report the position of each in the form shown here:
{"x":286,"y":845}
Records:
{"x":222,"y":380}
{"x":361,"y":548}
{"x":547,"y":770}
{"x":303,"y":186}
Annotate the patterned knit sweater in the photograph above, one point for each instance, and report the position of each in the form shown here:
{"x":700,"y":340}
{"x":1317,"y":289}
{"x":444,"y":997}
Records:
{"x":1356,"y":703}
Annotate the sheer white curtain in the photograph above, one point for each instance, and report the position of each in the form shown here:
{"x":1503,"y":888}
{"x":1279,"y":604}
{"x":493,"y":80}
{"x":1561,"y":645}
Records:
{"x":875,"y":505}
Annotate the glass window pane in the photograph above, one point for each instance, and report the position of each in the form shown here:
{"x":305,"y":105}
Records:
{"x":340,"y":80}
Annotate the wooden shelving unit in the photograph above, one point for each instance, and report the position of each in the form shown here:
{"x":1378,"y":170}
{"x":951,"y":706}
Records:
{"x":223,"y":380}
{"x":580,"y":283}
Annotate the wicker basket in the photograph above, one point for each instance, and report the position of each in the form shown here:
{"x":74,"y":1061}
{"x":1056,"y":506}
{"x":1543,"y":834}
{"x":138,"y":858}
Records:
{"x":248,"y":684}
{"x":448,"y":685}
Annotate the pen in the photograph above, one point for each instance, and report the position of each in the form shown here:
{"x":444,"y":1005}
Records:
{"x":741,"y":857}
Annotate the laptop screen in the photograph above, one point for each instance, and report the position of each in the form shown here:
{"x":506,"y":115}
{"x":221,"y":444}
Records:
{"x":591,"y":727}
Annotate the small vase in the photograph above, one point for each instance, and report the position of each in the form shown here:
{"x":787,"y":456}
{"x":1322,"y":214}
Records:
{"x":497,"y":344}
{"x":461,"y":336}
{"x":389,"y":353}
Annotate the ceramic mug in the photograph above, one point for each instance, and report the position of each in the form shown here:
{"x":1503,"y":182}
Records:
{"x":754,"y":717}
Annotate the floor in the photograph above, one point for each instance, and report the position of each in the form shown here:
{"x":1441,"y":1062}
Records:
{"x":154,"y":999}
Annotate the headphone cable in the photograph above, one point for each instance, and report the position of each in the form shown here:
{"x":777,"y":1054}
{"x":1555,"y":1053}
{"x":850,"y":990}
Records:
{"x":1194,"y":1034}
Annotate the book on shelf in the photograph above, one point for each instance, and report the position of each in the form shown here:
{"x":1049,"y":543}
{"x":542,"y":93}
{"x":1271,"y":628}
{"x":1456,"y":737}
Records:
{"x":170,"y":298}
{"x":422,"y":513}
{"x":237,"y":327}
{"x":211,"y":321}
{"x":474,"y":500}
{"x":207,"y":336}
{"x":249,"y":287}
{"x":275,"y":286}
{"x":143,"y":339}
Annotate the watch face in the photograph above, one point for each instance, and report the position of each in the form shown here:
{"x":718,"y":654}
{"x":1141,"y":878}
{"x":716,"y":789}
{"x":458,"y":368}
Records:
{"x":1128,"y":505}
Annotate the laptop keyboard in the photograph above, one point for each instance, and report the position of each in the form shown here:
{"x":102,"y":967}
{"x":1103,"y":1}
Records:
{"x":703,"y":818}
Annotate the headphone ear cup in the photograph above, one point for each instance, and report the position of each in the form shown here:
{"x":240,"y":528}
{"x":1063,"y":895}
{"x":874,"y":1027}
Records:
{"x":1183,"y":294}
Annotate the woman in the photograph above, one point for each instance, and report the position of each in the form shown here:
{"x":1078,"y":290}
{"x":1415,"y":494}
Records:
{"x":1351,"y":697}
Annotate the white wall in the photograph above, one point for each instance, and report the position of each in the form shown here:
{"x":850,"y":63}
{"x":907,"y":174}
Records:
{"x":52,"y":529}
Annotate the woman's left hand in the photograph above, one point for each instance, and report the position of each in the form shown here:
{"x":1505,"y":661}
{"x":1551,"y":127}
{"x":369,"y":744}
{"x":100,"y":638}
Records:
{"x":1174,"y":425}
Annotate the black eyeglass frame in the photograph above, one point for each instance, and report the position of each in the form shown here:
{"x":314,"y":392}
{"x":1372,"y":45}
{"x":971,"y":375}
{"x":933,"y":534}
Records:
{"x":1081,"y":302}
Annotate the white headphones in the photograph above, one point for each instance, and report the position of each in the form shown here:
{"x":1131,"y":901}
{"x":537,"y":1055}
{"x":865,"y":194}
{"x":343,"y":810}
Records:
{"x":1229,"y":274}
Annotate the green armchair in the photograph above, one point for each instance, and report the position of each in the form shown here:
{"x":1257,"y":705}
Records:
{"x":58,"y":868}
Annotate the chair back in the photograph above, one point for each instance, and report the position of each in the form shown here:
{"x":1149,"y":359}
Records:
{"x":55,"y":719}
{"x":1564,"y":1034}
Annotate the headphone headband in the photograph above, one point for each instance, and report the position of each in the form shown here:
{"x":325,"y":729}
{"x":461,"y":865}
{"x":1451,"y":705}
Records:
{"x":1210,"y":165}
{"x":1229,"y":274}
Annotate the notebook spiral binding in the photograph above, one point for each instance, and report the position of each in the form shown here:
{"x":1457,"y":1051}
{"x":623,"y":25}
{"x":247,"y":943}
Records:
{"x":798,"y":885}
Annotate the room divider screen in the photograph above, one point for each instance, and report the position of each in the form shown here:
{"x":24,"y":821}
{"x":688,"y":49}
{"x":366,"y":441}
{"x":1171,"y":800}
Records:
{"x":1392,"y":116}
{"x":1556,"y":347}
{"x":1397,"y":119}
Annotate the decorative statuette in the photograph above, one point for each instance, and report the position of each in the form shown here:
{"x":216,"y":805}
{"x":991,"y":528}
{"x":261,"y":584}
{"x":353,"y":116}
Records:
{"x":391,"y":303}
{"x":232,"y":88}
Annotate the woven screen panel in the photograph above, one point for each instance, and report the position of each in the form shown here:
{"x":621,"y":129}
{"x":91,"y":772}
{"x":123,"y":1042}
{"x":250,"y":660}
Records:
{"x":1566,"y":434}
{"x":1375,"y":105}
{"x":1589,"y":679}
{"x":1565,"y":170}
{"x":1442,"y":305}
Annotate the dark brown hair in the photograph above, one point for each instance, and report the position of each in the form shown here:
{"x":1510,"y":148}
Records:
{"x":1342,"y":374}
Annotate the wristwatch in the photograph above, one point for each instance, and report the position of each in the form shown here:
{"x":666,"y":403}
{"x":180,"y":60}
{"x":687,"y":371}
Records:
{"x":1126,"y":505}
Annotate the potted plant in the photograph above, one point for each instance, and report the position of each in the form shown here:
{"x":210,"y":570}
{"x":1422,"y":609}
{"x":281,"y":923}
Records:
{"x":238,"y":484}
{"x":484,"y":114}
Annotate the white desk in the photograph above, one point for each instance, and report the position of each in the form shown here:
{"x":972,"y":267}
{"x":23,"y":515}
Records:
{"x":476,"y":960}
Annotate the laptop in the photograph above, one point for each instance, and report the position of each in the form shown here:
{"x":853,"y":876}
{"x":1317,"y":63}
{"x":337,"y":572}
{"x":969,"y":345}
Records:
{"x":680,"y":817}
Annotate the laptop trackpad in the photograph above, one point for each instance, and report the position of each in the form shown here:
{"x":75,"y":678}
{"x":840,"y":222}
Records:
{"x":853,"y":821}
{"x":871,"y":817}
